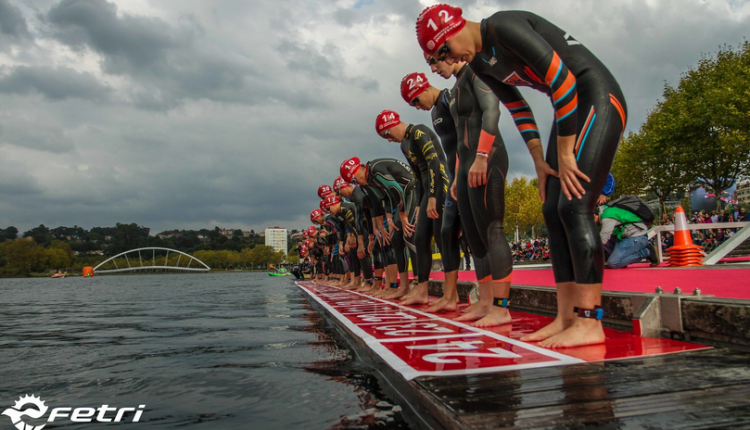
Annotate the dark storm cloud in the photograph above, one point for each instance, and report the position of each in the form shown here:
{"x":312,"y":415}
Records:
{"x":164,"y":61}
{"x":232,"y":112}
{"x":12,"y":22}
{"x":305,"y":59}
{"x":55,"y":84}
{"x":128,"y":43}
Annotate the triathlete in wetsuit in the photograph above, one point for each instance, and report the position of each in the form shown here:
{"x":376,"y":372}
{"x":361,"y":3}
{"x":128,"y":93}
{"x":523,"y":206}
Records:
{"x":480,"y":190}
{"x":336,"y":269}
{"x":513,"y":48}
{"x":439,"y":102}
{"x":365,"y":237}
{"x":380,"y":209}
{"x":347,"y":212}
{"x":422,"y":149}
{"x":316,"y":217}
{"x":397,"y":182}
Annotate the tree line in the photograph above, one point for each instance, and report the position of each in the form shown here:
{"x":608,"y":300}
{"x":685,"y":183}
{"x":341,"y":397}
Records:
{"x":697,"y":136}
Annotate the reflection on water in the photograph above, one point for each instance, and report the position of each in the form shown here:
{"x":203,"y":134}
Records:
{"x":223,"y":350}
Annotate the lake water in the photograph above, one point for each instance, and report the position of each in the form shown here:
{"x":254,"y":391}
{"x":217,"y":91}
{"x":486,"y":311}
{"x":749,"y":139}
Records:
{"x":217,"y":350}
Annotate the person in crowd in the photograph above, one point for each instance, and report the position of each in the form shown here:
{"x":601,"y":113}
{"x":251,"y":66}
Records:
{"x":625,"y":238}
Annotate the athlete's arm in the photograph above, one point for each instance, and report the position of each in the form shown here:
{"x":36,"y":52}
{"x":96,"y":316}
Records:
{"x":490,"y":106}
{"x":519,"y":109}
{"x":427,"y":147}
{"x":520,"y":37}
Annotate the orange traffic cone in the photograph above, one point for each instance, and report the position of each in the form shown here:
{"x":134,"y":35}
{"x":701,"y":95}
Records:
{"x":684,"y":252}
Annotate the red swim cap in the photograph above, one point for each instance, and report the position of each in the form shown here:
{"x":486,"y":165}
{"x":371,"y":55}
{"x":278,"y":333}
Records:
{"x":349,"y":168}
{"x":311,"y":230}
{"x":339,"y":184}
{"x":308,"y":243}
{"x":324,"y":191}
{"x":303,"y":252}
{"x":304,"y":233}
{"x":323,"y":205}
{"x":385,"y":120}
{"x":331,"y":200}
{"x":438,"y":24}
{"x":315,"y":214}
{"x":413,"y":85}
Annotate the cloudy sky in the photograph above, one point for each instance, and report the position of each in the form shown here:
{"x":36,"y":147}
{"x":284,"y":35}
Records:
{"x":196,"y":113}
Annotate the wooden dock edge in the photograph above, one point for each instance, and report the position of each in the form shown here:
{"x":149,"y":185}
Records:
{"x":705,"y":319}
{"x":419,"y":407}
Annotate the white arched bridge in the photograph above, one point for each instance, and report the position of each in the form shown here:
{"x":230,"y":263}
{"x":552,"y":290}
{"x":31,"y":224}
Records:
{"x":134,"y":260}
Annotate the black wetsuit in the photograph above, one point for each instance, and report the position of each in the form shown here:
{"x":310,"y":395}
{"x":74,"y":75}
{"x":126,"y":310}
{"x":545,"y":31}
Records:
{"x":367,"y":209}
{"x":424,"y":153}
{"x":396,"y":180}
{"x":476,"y":109}
{"x":521,"y":48}
{"x":450,"y":230}
{"x":383,"y":253}
{"x":338,"y":230}
{"x":352,"y":218}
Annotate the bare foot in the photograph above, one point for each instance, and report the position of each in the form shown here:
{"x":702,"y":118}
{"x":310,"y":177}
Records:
{"x":497,"y":316}
{"x":477,"y":313}
{"x":470,"y":308}
{"x":408,"y":295}
{"x":583,"y":332}
{"x":444,"y":305}
{"x":417,"y":299}
{"x":555,"y":327}
{"x":399,"y":293}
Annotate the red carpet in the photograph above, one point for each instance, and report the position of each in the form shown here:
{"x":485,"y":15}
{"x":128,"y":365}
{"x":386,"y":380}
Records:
{"x":416,"y":343}
{"x":733,"y":283}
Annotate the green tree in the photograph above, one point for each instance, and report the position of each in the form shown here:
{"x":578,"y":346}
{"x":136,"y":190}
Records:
{"x":9,"y":233}
{"x":57,"y":259}
{"x":24,"y":255}
{"x":64,"y":247}
{"x":714,"y":104}
{"x":41,"y":235}
{"x":523,"y":206}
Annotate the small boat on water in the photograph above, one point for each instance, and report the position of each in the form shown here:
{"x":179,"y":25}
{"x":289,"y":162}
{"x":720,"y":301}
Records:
{"x":58,"y":275}
{"x":281,"y":272}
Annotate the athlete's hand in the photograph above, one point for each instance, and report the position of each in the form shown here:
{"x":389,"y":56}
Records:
{"x":453,"y":190}
{"x":370,"y":245}
{"x":602,"y":200}
{"x":543,"y":170}
{"x":361,"y":252}
{"x":478,"y":172}
{"x":432,"y":212}
{"x":569,"y":174}
{"x":392,"y":228}
{"x":409,"y":229}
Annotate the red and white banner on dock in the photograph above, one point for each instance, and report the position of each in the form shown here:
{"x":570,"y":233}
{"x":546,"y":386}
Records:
{"x":417,"y":343}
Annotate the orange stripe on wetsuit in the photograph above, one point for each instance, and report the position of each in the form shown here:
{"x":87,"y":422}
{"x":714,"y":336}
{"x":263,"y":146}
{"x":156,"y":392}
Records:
{"x":616,"y":103}
{"x":562,"y":87}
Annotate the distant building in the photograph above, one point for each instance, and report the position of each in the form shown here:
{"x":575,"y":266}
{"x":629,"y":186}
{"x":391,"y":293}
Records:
{"x":743,"y":193}
{"x":276,"y":238}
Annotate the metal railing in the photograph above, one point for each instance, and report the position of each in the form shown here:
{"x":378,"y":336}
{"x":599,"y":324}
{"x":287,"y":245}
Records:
{"x":719,"y":252}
